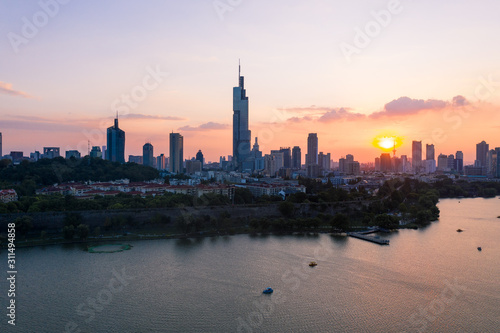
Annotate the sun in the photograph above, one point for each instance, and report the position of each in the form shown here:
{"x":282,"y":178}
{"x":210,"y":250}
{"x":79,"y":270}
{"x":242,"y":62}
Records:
{"x":387,"y":143}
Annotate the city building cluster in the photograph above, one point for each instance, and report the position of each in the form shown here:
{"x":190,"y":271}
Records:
{"x":285,"y":162}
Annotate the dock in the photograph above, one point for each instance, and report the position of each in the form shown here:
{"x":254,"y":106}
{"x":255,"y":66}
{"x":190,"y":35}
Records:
{"x":372,"y":239}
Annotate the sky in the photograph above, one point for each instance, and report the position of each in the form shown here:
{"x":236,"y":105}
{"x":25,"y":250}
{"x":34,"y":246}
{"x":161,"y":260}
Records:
{"x":347,"y":70}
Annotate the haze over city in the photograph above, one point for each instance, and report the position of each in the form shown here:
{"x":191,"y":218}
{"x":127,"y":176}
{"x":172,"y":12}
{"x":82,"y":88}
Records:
{"x":421,"y":71}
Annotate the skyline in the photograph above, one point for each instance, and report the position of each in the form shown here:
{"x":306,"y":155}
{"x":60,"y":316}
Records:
{"x":429,"y":75}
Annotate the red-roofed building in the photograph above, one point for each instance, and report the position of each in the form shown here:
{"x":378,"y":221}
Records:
{"x":8,"y":195}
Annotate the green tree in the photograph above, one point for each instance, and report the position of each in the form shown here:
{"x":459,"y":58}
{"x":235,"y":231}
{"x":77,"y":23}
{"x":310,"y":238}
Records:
{"x":286,"y":208}
{"x":68,"y":232}
{"x":82,"y":231}
{"x":340,"y":221}
{"x":24,"y":225}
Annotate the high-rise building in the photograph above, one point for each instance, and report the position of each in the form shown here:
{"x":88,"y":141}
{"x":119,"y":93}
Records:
{"x":73,"y":153}
{"x":481,"y":151}
{"x":51,"y":152}
{"x":429,"y":152}
{"x":160,"y":162}
{"x":459,"y":161}
{"x":176,"y":153}
{"x":96,"y":152}
{"x":312,"y":149}
{"x":193,"y":166}
{"x":385,"y":162}
{"x":451,"y":162}
{"x":296,"y":158}
{"x":497,"y":149}
{"x":17,"y":156}
{"x":36,"y":156}
{"x":115,"y":149}
{"x":405,"y":166}
{"x":148,"y":155}
{"x":256,"y":153}
{"x":287,"y":157}
{"x":324,"y":161}
{"x":416,"y":156}
{"x":442,"y":164}
{"x":241,"y":133}
{"x":199,"y":157}
{"x":1,"y":146}
{"x":279,"y":157}
{"x":135,"y":159}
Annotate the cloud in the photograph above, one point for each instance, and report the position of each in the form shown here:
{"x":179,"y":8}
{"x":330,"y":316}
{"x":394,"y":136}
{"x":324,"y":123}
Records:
{"x":205,"y":127}
{"x":150,"y":117}
{"x":323,"y":114}
{"x":6,"y":88}
{"x":406,"y":106}
{"x":459,"y":101}
{"x":313,"y":109}
{"x":340,"y":114}
{"x":41,"y":126}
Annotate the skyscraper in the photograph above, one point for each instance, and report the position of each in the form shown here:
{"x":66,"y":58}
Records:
{"x":429,"y":152}
{"x":416,"y":155}
{"x":199,"y":157}
{"x":256,"y":153}
{"x":1,"y":146}
{"x":459,"y":161}
{"x":160,"y":162}
{"x":147,"y":155}
{"x":296,"y":158}
{"x":176,"y":153}
{"x":481,"y":151}
{"x":287,"y":157}
{"x":115,"y":149}
{"x":312,"y":149}
{"x":241,"y":133}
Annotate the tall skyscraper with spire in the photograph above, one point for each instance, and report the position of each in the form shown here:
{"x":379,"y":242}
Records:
{"x":115,"y":151}
{"x":241,"y":133}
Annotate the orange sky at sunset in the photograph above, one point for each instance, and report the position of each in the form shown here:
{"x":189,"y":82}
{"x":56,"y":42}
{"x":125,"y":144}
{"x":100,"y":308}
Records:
{"x":429,"y":73}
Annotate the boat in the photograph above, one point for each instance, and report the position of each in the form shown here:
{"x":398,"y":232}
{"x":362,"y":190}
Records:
{"x":459,"y":230}
{"x":268,"y":291}
{"x":313,"y":263}
{"x":479,"y":248}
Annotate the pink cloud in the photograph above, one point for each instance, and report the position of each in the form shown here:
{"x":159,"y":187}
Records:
{"x":6,"y":88}
{"x":205,"y":127}
{"x":406,"y":106}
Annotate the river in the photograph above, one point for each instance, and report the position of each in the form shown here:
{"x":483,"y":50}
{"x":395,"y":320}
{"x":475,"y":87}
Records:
{"x":428,"y":280}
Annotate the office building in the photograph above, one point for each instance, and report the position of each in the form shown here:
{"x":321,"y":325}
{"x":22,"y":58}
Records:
{"x":312,"y":149}
{"x":287,"y":157}
{"x":73,"y":153}
{"x":96,"y":152}
{"x":416,"y":156}
{"x":148,"y":155}
{"x":16,"y":156}
{"x":459,"y":162}
{"x":481,"y":151}
{"x":241,"y":133}
{"x":115,"y":149}
{"x":296,"y":158}
{"x":199,"y":157}
{"x":161,"y":162}
{"x":51,"y":152}
{"x":176,"y":158}
{"x":429,"y":152}
{"x":135,"y":159}
{"x":324,"y":161}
